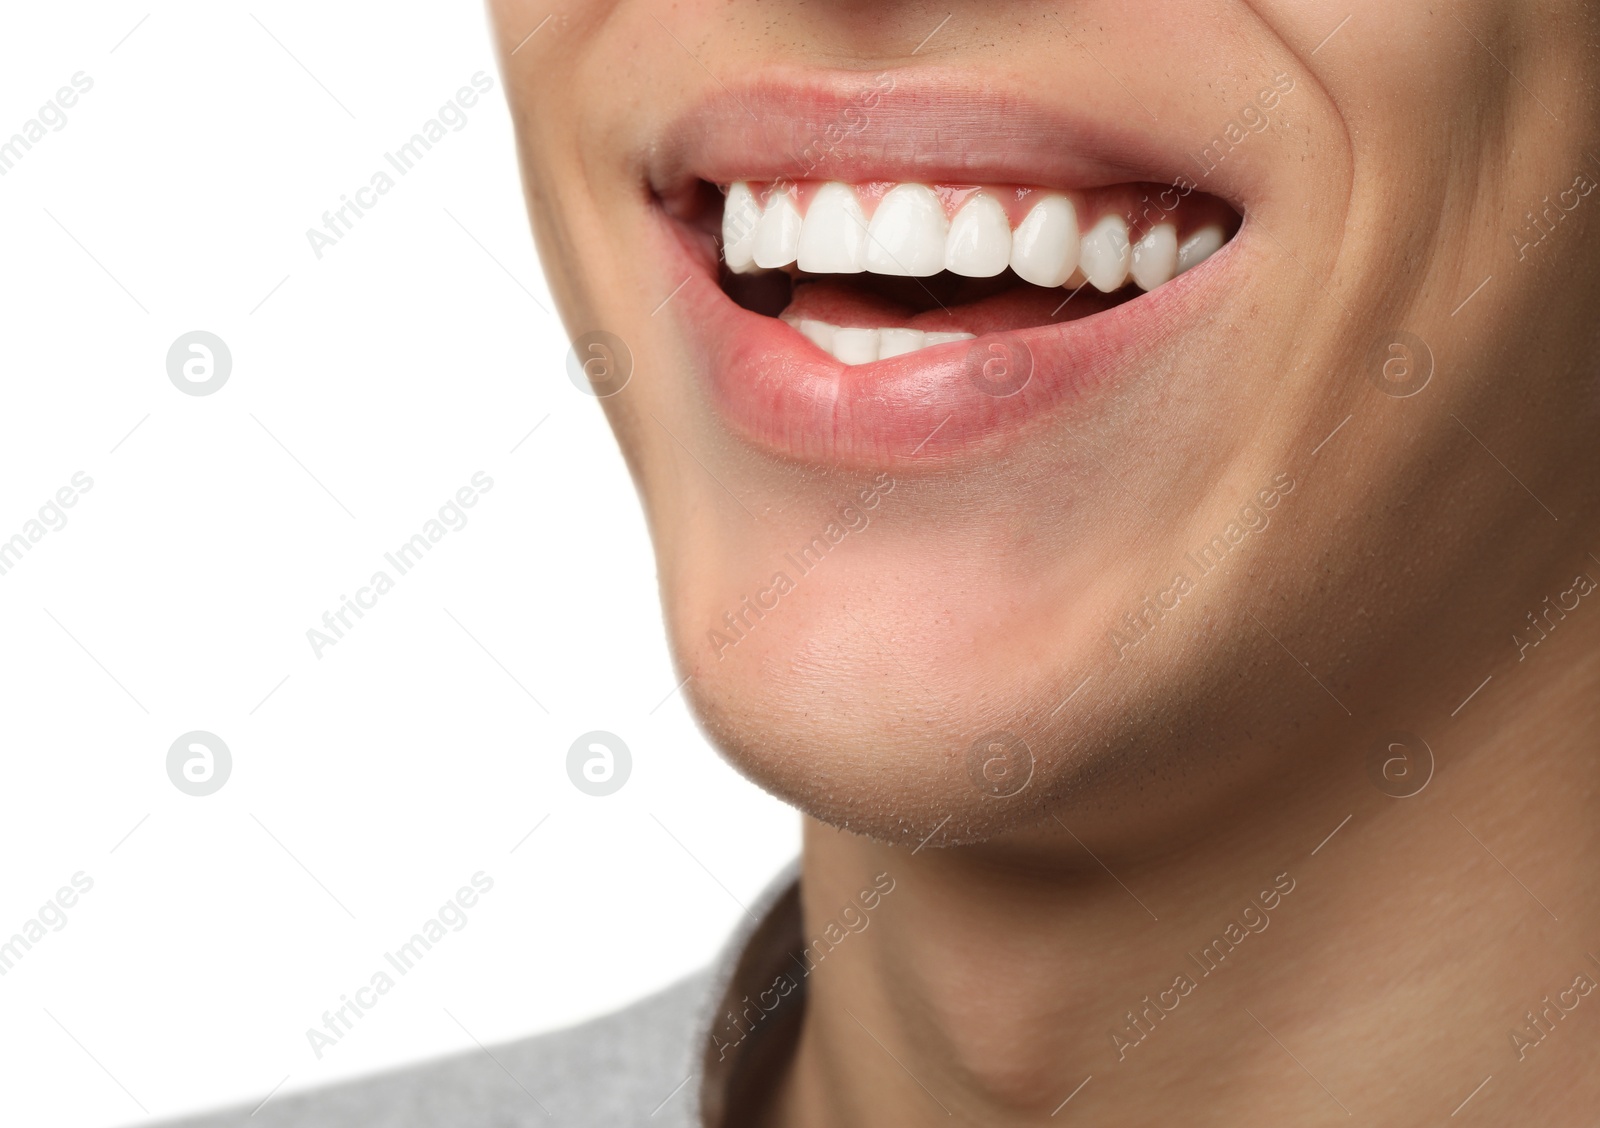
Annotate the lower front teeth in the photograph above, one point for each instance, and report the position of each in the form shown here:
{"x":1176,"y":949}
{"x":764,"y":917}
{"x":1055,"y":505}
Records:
{"x":897,"y":342}
{"x":856,"y":346}
{"x":863,"y":346}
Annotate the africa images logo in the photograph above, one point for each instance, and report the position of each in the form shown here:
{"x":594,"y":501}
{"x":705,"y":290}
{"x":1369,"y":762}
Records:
{"x":340,"y":221}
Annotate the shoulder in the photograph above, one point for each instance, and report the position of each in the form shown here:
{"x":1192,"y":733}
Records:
{"x":615,"y":1070}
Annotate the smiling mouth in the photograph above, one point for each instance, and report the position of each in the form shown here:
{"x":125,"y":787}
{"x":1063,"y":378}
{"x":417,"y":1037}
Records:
{"x":958,"y":267}
{"x":879,"y":269}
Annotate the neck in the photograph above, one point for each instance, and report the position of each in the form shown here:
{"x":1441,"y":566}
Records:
{"x":1323,"y":952}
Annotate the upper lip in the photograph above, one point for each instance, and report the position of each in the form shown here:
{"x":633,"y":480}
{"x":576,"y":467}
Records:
{"x":930,"y":124}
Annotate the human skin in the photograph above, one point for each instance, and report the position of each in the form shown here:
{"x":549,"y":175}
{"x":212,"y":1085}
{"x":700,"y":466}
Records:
{"x":1390,"y":195}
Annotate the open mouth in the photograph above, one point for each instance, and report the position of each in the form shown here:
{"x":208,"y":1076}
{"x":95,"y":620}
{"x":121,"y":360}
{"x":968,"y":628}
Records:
{"x":958,"y":266}
{"x":876,"y":270}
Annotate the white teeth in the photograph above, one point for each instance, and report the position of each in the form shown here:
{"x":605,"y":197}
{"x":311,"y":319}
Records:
{"x":1044,"y":248}
{"x":819,"y":333}
{"x":855,"y":346}
{"x":1199,"y":247}
{"x":910,"y":236}
{"x":898,"y":342}
{"x":908,"y":232}
{"x":777,"y":234}
{"x":979,"y":245}
{"x":740,"y":214}
{"x":863,"y":346}
{"x":833,"y":238}
{"x":1105,"y":255}
{"x":1155,"y":257}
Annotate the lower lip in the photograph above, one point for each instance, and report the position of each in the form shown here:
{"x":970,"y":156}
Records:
{"x":939,"y":405}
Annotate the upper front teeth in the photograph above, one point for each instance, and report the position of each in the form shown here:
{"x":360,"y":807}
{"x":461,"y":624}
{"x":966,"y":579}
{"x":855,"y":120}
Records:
{"x":1155,"y":257}
{"x":1199,"y":247}
{"x":833,"y":238}
{"x":979,"y":244}
{"x":741,"y":212}
{"x":1045,"y":246}
{"x":910,"y":234}
{"x":1106,"y":255}
{"x":907,"y":234}
{"x":777,"y":239}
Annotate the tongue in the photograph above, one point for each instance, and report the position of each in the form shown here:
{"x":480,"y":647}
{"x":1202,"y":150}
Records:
{"x":933,"y":305}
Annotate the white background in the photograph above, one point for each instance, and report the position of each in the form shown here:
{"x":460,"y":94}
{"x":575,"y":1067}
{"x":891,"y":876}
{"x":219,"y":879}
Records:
{"x":366,"y":388}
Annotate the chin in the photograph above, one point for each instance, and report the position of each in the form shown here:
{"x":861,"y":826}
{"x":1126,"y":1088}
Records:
{"x":911,"y":692}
